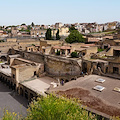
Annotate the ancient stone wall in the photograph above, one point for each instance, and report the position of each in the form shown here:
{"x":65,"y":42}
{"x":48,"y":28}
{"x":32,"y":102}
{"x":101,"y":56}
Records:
{"x":22,"y":73}
{"x":92,"y":50}
{"x":61,"y":67}
{"x":56,"y":66}
{"x":36,"y":57}
{"x":111,"y":65}
{"x":11,"y":39}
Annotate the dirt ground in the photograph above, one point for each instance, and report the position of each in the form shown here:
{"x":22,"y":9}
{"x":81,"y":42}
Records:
{"x":88,"y":100}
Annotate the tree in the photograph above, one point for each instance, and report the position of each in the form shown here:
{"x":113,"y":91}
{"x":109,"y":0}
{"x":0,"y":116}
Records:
{"x":48,"y":34}
{"x":74,"y":36}
{"x":23,"y":24}
{"x":28,"y":28}
{"x":57,"y":35}
{"x":22,"y":29}
{"x":32,"y":24}
{"x":72,"y":28}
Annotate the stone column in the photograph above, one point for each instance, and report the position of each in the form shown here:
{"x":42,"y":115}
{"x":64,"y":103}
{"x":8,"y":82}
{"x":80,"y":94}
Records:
{"x":66,"y":52}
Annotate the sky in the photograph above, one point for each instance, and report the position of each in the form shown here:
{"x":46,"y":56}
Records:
{"x":16,"y":12}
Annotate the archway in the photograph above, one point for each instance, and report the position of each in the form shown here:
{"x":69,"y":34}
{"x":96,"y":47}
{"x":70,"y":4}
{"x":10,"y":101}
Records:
{"x":21,"y":91}
{"x":99,"y":65}
{"x":26,"y":94}
{"x":84,"y":67}
{"x":4,"y":58}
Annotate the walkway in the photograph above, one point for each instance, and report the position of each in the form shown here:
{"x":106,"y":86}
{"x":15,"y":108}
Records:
{"x":11,"y":101}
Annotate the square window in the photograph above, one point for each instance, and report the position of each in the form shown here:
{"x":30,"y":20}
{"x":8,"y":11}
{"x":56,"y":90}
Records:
{"x":99,"y":88}
{"x":100,"y":80}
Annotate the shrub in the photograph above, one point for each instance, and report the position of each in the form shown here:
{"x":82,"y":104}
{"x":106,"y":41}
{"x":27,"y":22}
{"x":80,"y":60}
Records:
{"x":100,"y":50}
{"x":33,"y":44}
{"x":74,"y":55}
{"x":58,"y":53}
{"x":53,"y":108}
{"x":11,"y":116}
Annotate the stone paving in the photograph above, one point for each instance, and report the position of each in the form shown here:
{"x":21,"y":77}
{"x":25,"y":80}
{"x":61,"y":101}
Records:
{"x":11,"y":101}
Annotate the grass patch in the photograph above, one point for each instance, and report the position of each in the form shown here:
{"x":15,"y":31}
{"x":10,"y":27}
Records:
{"x":100,"y":50}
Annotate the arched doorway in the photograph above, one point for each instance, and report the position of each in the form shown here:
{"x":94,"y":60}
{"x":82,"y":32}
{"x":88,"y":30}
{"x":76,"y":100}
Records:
{"x":26,"y":94}
{"x":84,"y":67}
{"x":21,"y":91}
{"x":4,"y":58}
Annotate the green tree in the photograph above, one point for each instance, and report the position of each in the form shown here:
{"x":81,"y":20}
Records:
{"x":74,"y":36}
{"x":28,"y":28}
{"x":32,"y":24}
{"x":22,"y":29}
{"x":72,"y":28}
{"x":48,"y":34}
{"x":57,"y":35}
{"x":23,"y":24}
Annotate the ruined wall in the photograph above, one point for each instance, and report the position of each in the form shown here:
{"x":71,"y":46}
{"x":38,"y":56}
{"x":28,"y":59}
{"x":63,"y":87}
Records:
{"x":111,"y":65}
{"x":92,"y":50}
{"x":61,"y":67}
{"x":24,"y":43}
{"x":36,"y":57}
{"x":4,"y":49}
{"x":5,"y":44}
{"x":55,"y":65}
{"x":11,"y":39}
{"x":14,"y":76}
{"x":40,"y":69}
{"x":22,"y":73}
{"x":17,"y":62}
{"x":110,"y":42}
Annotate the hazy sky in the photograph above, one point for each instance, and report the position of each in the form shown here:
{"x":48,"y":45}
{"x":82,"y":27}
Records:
{"x":14,"y":12}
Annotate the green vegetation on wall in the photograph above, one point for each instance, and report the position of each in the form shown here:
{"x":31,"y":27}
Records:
{"x":100,"y":50}
{"x":74,"y":55}
{"x":58,"y":53}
